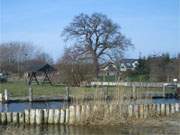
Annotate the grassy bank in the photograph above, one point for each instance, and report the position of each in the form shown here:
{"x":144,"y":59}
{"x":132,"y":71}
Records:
{"x":20,"y":88}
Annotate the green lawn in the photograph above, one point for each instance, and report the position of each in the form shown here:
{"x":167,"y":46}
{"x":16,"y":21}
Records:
{"x":20,"y":88}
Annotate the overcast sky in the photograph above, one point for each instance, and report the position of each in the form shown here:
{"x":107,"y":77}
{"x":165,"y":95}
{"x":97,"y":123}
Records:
{"x":152,"y":25}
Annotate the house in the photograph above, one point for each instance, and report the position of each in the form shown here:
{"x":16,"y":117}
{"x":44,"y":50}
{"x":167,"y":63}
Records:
{"x":114,"y":70}
{"x":110,"y":69}
{"x":109,"y":72}
{"x":122,"y":66}
{"x":128,"y":64}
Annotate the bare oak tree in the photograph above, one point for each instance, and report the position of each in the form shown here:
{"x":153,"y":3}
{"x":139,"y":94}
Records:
{"x":98,"y":36}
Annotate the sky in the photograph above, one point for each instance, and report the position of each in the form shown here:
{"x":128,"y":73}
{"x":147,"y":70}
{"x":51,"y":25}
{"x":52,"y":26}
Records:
{"x":152,"y":25}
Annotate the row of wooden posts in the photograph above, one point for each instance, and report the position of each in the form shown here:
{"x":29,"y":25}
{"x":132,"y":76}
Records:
{"x":74,"y":114}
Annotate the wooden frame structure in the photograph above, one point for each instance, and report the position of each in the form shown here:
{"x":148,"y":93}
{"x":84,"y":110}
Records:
{"x":45,"y":69}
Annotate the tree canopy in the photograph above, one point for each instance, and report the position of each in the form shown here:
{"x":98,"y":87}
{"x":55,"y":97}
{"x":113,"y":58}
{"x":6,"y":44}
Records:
{"x":97,"y":36}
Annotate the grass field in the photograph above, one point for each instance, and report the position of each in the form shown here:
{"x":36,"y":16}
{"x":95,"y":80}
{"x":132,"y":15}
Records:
{"x":20,"y":88}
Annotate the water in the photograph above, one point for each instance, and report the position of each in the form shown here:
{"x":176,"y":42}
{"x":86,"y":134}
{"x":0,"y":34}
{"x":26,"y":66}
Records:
{"x":170,"y":127}
{"x":158,"y":100}
{"x":20,"y":106}
{"x":87,"y":130}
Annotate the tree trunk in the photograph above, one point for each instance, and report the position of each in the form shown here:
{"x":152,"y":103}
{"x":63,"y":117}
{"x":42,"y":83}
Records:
{"x":96,"y":65}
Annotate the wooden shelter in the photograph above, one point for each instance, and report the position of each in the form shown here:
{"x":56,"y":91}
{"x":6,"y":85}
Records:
{"x":46,"y":69}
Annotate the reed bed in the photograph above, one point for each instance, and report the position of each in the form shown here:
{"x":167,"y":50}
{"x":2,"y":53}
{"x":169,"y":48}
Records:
{"x":109,"y":108}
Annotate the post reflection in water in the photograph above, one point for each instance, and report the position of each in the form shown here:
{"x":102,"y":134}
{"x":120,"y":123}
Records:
{"x":86,"y":130}
{"x":0,"y":106}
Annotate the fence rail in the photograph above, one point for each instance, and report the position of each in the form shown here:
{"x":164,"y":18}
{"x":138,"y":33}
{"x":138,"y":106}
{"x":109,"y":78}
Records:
{"x":130,"y":84}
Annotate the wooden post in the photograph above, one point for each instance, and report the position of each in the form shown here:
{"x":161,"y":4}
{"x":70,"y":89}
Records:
{"x":62,"y":117}
{"x":83,"y":112}
{"x":6,"y":98}
{"x":151,"y":107}
{"x":106,"y":111}
{"x":145,"y":111}
{"x":141,"y":111}
{"x":27,"y":118}
{"x":15,"y":117}
{"x":167,"y":109}
{"x":130,"y":110}
{"x":30,"y":93}
{"x":56,"y":116}
{"x":162,"y":109}
{"x":67,"y":93}
{"x":110,"y":109}
{"x":78,"y":113}
{"x":134,"y":91}
{"x":177,"y":107}
{"x":46,"y":114}
{"x":39,"y":116}
{"x":72,"y":115}
{"x":51,"y":116}
{"x":67,"y":116}
{"x":32,"y":116}
{"x":172,"y":108}
{"x":9,"y":117}
{"x":3,"y":118}
{"x":164,"y":88}
{"x":88,"y":111}
{"x":136,"y":114}
{"x":95,"y":108}
{"x":21,"y":117}
{"x":158,"y":107}
{"x":107,"y":92}
{"x":1,"y":97}
{"x":154,"y":108}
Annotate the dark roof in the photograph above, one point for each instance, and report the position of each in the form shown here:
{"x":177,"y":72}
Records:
{"x":110,"y":66}
{"x":127,"y":62}
{"x":41,"y":68}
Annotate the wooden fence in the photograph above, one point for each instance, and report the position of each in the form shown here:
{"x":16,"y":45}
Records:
{"x":130,"y":84}
{"x":74,"y":114}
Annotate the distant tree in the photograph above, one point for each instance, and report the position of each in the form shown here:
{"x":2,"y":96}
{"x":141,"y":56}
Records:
{"x":178,"y":56}
{"x":156,"y":68}
{"x":161,"y":67}
{"x":141,"y":72}
{"x":14,"y":54}
{"x":142,"y":67}
{"x":16,"y":57}
{"x":43,"y":58}
{"x":176,"y":64}
{"x":98,"y":36}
